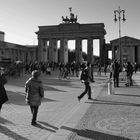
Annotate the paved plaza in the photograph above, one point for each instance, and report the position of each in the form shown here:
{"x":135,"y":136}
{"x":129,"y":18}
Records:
{"x":62,"y":117}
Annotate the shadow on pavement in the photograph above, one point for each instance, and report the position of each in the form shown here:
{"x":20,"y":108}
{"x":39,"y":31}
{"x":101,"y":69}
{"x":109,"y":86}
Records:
{"x":57,"y":82}
{"x":49,"y":88}
{"x":4,"y":121}
{"x":48,"y":100}
{"x":127,"y":95}
{"x":18,"y":98}
{"x":112,"y":103}
{"x":11,"y":134}
{"x":49,"y":125}
{"x":90,"y":134}
{"x":42,"y":127}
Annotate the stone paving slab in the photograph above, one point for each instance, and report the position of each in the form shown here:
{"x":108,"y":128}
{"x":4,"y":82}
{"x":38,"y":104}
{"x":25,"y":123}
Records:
{"x":59,"y":104}
{"x":111,"y":117}
{"x":72,"y":121}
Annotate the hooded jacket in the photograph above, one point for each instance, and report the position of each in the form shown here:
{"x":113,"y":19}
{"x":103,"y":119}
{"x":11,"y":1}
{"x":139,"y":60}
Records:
{"x":34,"y":90}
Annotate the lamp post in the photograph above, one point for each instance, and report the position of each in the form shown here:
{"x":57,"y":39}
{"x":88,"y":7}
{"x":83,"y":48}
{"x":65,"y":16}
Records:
{"x":119,"y":18}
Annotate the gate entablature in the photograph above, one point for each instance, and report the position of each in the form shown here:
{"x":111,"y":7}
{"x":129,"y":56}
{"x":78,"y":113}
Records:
{"x":77,"y":30}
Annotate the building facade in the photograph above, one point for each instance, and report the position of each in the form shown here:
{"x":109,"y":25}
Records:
{"x":129,"y":50}
{"x":14,"y":52}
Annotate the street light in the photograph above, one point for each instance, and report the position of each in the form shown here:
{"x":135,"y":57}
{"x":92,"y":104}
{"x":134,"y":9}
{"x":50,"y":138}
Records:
{"x":119,"y":12}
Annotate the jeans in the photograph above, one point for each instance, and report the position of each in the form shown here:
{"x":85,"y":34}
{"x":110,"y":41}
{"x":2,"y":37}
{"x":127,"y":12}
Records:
{"x":34,"y":111}
{"x":87,"y":90}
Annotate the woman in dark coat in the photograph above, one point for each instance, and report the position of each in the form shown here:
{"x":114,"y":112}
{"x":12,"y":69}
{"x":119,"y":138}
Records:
{"x":3,"y":94}
{"x":35,"y":92}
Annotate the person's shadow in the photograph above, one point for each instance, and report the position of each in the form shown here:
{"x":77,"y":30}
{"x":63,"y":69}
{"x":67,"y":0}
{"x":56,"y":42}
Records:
{"x":49,"y":125}
{"x":39,"y":125}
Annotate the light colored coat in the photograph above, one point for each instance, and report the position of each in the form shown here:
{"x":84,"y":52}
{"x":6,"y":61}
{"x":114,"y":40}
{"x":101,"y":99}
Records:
{"x":35,"y":91}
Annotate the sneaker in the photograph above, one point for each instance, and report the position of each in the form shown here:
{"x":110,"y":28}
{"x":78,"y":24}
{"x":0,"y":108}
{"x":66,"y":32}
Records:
{"x":33,"y":123}
{"x":89,"y":98}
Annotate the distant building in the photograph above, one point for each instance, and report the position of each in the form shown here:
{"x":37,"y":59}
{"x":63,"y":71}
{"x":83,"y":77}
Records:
{"x":2,"y":35}
{"x":13,"y":52}
{"x":130,"y":49}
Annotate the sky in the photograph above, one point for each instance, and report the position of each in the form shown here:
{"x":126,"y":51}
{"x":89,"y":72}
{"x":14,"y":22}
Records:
{"x":19,"y":19}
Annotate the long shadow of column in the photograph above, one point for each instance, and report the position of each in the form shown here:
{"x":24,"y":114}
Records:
{"x":11,"y":134}
{"x":90,"y":134}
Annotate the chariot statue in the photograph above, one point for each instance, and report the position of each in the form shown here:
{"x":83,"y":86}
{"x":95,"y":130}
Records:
{"x":71,"y":19}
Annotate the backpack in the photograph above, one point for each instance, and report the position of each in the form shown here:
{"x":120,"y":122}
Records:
{"x":84,"y":75}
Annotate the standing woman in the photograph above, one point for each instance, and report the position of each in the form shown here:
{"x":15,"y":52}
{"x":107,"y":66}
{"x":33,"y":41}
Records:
{"x":3,"y":94}
{"x":35,"y":92}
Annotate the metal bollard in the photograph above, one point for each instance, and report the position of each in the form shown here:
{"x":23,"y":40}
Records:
{"x":110,"y":87}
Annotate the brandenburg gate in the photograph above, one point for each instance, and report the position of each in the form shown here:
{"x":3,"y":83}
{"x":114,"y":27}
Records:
{"x":69,"y":29}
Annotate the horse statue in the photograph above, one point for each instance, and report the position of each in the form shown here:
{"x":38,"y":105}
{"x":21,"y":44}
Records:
{"x":65,"y":20}
{"x":73,"y":19}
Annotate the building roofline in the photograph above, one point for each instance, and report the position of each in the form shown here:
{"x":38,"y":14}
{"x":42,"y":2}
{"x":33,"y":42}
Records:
{"x":125,"y":37}
{"x":1,"y":32}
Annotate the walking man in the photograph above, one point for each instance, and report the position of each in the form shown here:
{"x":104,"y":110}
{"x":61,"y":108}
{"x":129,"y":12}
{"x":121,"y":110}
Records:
{"x":85,"y":78}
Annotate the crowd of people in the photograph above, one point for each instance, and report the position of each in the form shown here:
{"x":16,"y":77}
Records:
{"x":127,"y":70}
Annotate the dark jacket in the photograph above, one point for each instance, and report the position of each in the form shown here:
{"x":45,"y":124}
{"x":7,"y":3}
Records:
{"x":129,"y":69}
{"x":116,"y":69}
{"x":3,"y":94}
{"x":86,"y":75}
{"x":35,"y":91}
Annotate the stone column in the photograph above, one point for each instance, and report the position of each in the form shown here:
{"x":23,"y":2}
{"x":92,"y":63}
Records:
{"x":78,"y":52}
{"x":45,"y":52}
{"x":40,"y":50}
{"x":137,"y":53}
{"x":90,"y":51}
{"x":106,"y":55}
{"x":10,"y":53}
{"x":53,"y":52}
{"x":50,"y":50}
{"x":63,"y":50}
{"x":18,"y":54}
{"x":101,"y":51}
{"x":118,"y":53}
{"x":113,"y":52}
{"x":132,"y":54}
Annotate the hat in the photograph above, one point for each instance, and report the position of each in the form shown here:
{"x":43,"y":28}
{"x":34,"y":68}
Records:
{"x":35,"y":73}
